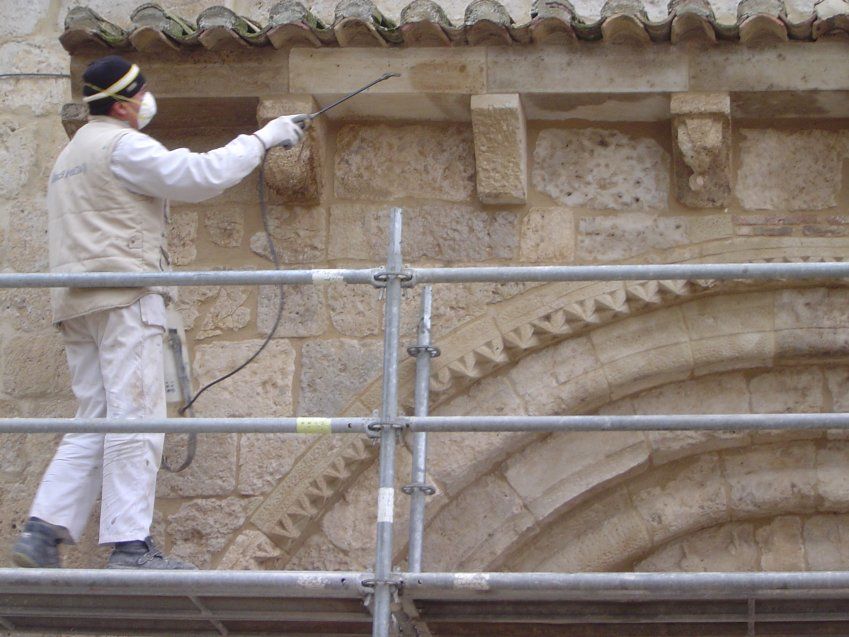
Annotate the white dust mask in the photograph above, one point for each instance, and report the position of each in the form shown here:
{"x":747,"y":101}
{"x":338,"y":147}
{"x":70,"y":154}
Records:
{"x":147,"y":110}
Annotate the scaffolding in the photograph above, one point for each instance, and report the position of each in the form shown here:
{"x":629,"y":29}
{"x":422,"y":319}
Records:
{"x":385,"y":602}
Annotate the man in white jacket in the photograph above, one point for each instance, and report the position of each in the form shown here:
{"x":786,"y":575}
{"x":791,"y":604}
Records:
{"x":107,"y":212}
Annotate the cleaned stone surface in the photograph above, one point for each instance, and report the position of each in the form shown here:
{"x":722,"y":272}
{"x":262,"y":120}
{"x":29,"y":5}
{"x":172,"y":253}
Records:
{"x":827,"y":542}
{"x":189,"y":300}
{"x":811,"y":323}
{"x":263,"y":388}
{"x":28,"y":310}
{"x":548,"y":234}
{"x":615,"y":237}
{"x":451,"y":543}
{"x":304,"y":310}
{"x":355,"y":310}
{"x":26,"y":16}
{"x":227,"y":314}
{"x":376,"y":163}
{"x":729,"y":547}
{"x":498,"y":122}
{"x":19,"y":149}
{"x":781,"y":545}
{"x":832,"y":478}
{"x":35,"y":365}
{"x":202,"y":528}
{"x":212,"y":472}
{"x":26,"y":248}
{"x":781,"y":170}
{"x":444,"y":232}
{"x":601,"y":169}
{"x":226,"y":226}
{"x":182,"y":236}
{"x":299,"y":235}
{"x":320,"y":554}
{"x":265,"y":458}
{"x":333,"y":371}
{"x":34,"y":55}
{"x":787,"y":391}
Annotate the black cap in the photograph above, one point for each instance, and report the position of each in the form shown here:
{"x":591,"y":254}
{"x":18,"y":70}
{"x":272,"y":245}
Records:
{"x":102,"y":75}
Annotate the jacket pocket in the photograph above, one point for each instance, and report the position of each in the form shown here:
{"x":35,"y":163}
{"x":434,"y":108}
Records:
{"x":153,"y":310}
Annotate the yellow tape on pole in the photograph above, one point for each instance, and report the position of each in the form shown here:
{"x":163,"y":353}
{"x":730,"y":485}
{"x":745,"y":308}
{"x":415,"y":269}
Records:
{"x":312,"y":425}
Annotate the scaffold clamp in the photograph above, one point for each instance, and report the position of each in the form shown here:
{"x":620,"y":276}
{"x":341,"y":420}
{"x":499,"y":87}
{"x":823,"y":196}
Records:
{"x":427,"y":489}
{"x":415,"y":350}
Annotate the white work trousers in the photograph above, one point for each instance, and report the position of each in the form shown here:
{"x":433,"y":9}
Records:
{"x":116,"y":362}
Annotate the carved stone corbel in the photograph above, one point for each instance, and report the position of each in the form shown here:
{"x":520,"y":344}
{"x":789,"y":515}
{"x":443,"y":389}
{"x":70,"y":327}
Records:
{"x":295,"y":175}
{"x":701,"y":141}
{"x":498,"y":122}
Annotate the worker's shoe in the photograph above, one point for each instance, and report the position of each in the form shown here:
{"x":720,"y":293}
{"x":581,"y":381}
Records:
{"x":38,"y":545}
{"x":144,"y":555}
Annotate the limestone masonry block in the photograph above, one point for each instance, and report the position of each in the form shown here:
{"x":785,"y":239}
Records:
{"x":212,"y":472}
{"x":826,"y":542}
{"x":379,"y":163}
{"x":781,"y":170}
{"x":40,"y":55}
{"x":226,"y":226}
{"x":333,"y":371}
{"x":265,"y":458}
{"x":701,"y":133}
{"x":781,"y":545}
{"x":612,"y":237}
{"x":34,"y":365}
{"x":601,"y":169}
{"x":228,"y":313}
{"x":304,"y":310}
{"x":548,"y":235}
{"x":250,"y":551}
{"x":501,"y":164}
{"x":182,"y":236}
{"x":728,"y":547}
{"x":296,"y":175}
{"x":267,"y":382}
{"x":19,"y":149}
{"x":299,"y":235}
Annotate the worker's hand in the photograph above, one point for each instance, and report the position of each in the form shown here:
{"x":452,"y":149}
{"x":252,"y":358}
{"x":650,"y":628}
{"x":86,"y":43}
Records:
{"x":302,"y":120}
{"x":282,"y":131}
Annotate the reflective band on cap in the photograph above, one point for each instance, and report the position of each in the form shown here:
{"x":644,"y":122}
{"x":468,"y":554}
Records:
{"x":120,"y":85}
{"x":312,"y":425}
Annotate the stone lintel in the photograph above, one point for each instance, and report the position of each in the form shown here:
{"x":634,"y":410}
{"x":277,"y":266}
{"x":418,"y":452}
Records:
{"x":295,"y":175}
{"x":701,"y":133}
{"x":498,"y":122}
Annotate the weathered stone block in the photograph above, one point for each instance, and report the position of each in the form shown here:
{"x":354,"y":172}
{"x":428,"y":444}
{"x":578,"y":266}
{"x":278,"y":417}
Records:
{"x":615,"y":237}
{"x":548,"y":234}
{"x":380,"y":163}
{"x":601,"y":169}
{"x":250,"y":551}
{"x":182,"y":236}
{"x":498,"y":122}
{"x":701,"y":143}
{"x":265,"y":458}
{"x":227,"y":314}
{"x":445,"y":232}
{"x":782,"y":170}
{"x":19,"y":150}
{"x":774,"y":478}
{"x":333,"y":371}
{"x":729,"y":547}
{"x":226,"y":226}
{"x":23,"y":17}
{"x":304,"y":310}
{"x":563,"y":469}
{"x":787,"y":391}
{"x":831,"y":476}
{"x":826,"y":542}
{"x":34,"y":55}
{"x":212,"y":472}
{"x":299,"y":235}
{"x":355,"y":310}
{"x":781,"y":545}
{"x":35,"y":365}
{"x":267,"y":381}
{"x":190,"y":299}
{"x":296,"y":175}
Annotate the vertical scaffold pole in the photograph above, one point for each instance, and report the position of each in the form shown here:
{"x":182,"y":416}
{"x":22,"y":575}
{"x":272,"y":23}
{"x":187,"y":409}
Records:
{"x":389,"y":412}
{"x":417,"y":488}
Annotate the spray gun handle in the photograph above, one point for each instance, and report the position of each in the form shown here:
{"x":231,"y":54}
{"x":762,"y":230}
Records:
{"x":303,"y":121}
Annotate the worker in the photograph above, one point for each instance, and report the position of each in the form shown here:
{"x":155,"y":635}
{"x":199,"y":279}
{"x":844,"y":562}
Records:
{"x":107,"y":212}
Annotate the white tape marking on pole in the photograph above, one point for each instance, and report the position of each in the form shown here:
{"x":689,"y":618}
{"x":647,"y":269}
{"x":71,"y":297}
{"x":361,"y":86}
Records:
{"x":473,"y":581}
{"x":327,"y":276}
{"x":385,"y":504}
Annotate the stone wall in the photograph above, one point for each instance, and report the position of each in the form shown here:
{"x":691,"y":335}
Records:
{"x":576,"y":192}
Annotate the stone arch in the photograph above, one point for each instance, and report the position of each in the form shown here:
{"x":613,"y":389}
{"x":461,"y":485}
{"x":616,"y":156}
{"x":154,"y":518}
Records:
{"x":717,"y":341}
{"x":489,"y":345}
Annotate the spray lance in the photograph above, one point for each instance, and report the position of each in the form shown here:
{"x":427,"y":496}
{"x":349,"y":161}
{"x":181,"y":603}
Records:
{"x":181,"y":384}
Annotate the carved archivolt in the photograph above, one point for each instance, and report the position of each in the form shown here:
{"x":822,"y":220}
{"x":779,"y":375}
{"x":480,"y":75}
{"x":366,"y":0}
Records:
{"x":506,"y":333}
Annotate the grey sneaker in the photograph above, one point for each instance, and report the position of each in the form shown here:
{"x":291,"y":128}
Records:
{"x":38,"y":546}
{"x":144,"y":555}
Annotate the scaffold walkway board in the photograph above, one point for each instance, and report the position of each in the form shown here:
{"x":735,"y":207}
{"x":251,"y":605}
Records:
{"x":431,"y":604}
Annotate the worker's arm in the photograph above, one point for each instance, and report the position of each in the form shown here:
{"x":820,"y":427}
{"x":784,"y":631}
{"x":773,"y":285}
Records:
{"x":146,"y":167}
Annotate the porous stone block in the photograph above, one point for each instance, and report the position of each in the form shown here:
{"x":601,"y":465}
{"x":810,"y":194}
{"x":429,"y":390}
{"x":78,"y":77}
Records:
{"x":826,"y":542}
{"x":380,"y":162}
{"x":182,"y":236}
{"x":333,"y":371}
{"x":297,"y":174}
{"x":304,"y":310}
{"x":35,"y":365}
{"x":687,"y":495}
{"x":265,"y":458}
{"x":299,"y":235}
{"x":227,"y":314}
{"x":443,"y":232}
{"x":610,"y":238}
{"x":781,"y":545}
{"x":455,"y":459}
{"x":26,"y":245}
{"x":225,"y":226}
{"x":498,"y":122}
{"x":774,"y":478}
{"x":701,"y":143}
{"x":831,"y":475}
{"x":212,"y":472}
{"x":644,"y":351}
{"x":190,"y":299}
{"x":548,"y":235}
{"x":355,"y":310}
{"x":452,"y":543}
{"x":781,"y":170}
{"x":562,"y":469}
{"x":34,"y":55}
{"x":201,"y":528}
{"x":19,"y":150}
{"x":23,"y":17}
{"x":267,"y":381}
{"x":318,"y":553}
{"x":787,"y":391}
{"x":601,"y":169}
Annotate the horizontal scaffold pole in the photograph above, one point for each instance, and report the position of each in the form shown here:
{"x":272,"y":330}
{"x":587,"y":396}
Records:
{"x":302,"y":425}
